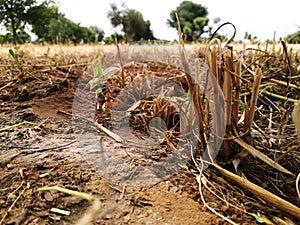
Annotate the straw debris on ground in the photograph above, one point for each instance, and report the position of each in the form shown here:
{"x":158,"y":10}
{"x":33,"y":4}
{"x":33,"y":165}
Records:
{"x":254,"y":178}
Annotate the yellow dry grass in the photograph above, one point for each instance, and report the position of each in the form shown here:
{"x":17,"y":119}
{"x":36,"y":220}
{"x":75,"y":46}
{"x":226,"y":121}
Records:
{"x":51,"y":50}
{"x":92,"y":49}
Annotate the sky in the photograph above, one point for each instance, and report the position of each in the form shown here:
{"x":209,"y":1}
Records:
{"x":260,"y":18}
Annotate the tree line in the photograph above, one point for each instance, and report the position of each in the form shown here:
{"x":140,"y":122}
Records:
{"x":44,"y":19}
{"x":49,"y":25}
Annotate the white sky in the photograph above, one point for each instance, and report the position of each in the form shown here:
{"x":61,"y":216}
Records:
{"x":260,"y":18}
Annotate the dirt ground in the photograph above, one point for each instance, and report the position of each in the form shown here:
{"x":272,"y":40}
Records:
{"x":43,"y":152}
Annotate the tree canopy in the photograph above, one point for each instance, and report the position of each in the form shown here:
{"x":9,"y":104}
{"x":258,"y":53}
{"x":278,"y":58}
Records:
{"x":133,"y":24}
{"x":14,"y":15}
{"x":113,"y":38}
{"x":39,"y":18}
{"x":192,"y":17}
{"x":65,"y":31}
{"x":45,"y":21}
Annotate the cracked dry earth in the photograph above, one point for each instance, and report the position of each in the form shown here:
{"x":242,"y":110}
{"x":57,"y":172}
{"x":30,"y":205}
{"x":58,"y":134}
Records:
{"x":43,"y":152}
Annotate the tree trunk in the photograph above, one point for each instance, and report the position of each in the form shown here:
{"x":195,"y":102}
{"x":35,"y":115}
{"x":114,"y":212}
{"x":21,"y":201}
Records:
{"x":15,"y":36}
{"x":14,"y":30}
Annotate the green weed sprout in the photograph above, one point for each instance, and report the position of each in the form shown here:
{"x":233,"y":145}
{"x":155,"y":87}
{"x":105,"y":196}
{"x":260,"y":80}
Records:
{"x":98,"y":77}
{"x":16,"y":54}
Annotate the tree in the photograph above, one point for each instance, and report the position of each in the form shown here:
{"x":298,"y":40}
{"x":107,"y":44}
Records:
{"x":133,"y":24}
{"x":249,"y":37}
{"x":39,"y":18}
{"x":113,"y":38}
{"x":13,"y":14}
{"x":64,"y":30}
{"x":46,"y":22}
{"x":49,"y":24}
{"x":99,"y":33}
{"x":192,"y":17}
{"x":8,"y":37}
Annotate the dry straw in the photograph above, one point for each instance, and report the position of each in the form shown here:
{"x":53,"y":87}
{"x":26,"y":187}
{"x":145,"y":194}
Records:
{"x":227,"y":68}
{"x":296,"y":117}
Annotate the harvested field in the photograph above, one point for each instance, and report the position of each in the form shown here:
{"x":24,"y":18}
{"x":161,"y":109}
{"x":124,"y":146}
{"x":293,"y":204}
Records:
{"x":65,"y":107}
